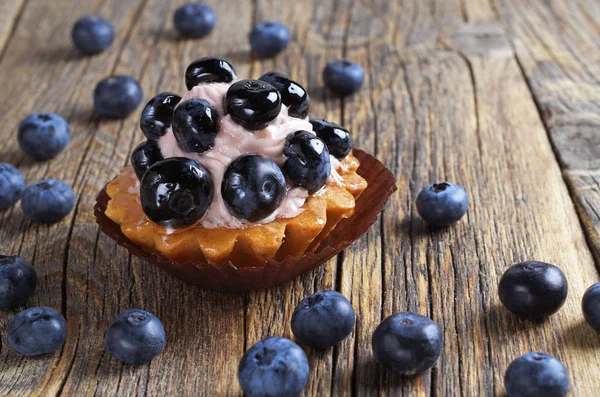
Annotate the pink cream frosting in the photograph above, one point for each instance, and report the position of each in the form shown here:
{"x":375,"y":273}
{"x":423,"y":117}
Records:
{"x":233,"y":141}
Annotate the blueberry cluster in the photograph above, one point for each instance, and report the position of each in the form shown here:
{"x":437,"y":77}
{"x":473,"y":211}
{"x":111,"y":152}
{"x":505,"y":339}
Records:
{"x":41,"y":136}
{"x":531,"y":290}
{"x":92,"y":34}
{"x":406,"y":343}
{"x":135,"y":336}
{"x":116,"y":97}
{"x":177,"y":192}
{"x":535,"y":290}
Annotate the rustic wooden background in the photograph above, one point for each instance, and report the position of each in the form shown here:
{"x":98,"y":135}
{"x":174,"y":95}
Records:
{"x":500,"y":96}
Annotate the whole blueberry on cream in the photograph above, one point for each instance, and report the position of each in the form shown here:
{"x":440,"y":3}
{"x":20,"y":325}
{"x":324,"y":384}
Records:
{"x":158,"y":114}
{"x":234,"y":171}
{"x":253,"y":187}
{"x":223,"y":139}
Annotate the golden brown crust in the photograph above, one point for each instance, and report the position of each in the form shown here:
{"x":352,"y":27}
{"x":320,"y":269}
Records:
{"x":251,"y":246}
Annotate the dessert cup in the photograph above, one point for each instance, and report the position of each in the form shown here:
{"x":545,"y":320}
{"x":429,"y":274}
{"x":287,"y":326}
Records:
{"x":236,"y":188}
{"x":236,"y":276}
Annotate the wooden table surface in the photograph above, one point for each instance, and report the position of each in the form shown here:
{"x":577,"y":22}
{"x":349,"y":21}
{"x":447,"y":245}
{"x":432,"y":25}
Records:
{"x":500,"y":96}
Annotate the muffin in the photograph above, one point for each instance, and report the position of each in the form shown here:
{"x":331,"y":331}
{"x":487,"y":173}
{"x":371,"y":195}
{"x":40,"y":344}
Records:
{"x":234,"y":173}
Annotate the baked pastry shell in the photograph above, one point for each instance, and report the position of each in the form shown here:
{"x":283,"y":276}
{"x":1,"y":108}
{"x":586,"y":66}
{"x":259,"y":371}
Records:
{"x":229,"y":277}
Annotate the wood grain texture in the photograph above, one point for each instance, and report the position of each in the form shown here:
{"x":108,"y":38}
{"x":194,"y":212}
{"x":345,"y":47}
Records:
{"x":558,"y":46}
{"x":318,"y":29}
{"x":452,"y":92}
{"x":10,"y":12}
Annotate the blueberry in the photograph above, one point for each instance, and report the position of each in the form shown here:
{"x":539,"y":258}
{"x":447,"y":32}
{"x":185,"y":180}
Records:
{"x":92,"y":34}
{"x":17,"y":281}
{"x":176,"y":192}
{"x":533,"y":290}
{"x":536,"y":375}
{"x":336,"y":137}
{"x":253,"y":187}
{"x":157,"y":114}
{"x":38,"y":330}
{"x":209,"y":70}
{"x":273,"y":367}
{"x":407,"y":343}
{"x":144,"y":156}
{"x":11,"y":185}
{"x":307,"y":163}
{"x":442,"y":203}
{"x":43,"y":135}
{"x":343,"y":77}
{"x":194,"y":20}
{"x":323,"y":319}
{"x":135,"y":337}
{"x":591,"y":306}
{"x":47,"y":201}
{"x":116,"y":97}
{"x":195,"y":125}
{"x":268,"y":39}
{"x":293,"y":95}
{"x":253,"y":104}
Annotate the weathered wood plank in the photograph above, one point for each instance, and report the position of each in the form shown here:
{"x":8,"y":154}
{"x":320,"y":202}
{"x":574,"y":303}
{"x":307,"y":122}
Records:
{"x":207,"y":328}
{"x":103,"y":281}
{"x":396,"y":115}
{"x":318,"y":30}
{"x":557,"y":45}
{"x":10,"y":11}
{"x":455,"y":99}
{"x":444,"y":98}
{"x":503,"y":110}
{"x":190,"y":316}
{"x":361,"y":270}
{"x":47,"y":74}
